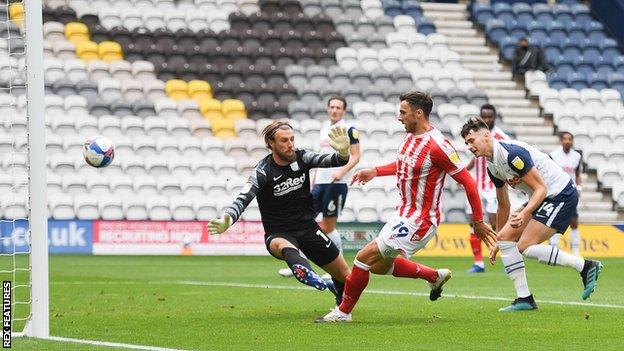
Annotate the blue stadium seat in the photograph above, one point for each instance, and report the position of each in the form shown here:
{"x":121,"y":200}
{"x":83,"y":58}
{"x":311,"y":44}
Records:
{"x":584,"y":66}
{"x":503,"y":12}
{"x":535,"y":27}
{"x":556,"y":31}
{"x":604,"y":66}
{"x":517,"y":30}
{"x":565,"y":66}
{"x":581,"y":13}
{"x":425,"y":26}
{"x":577,"y":80}
{"x":557,"y":81}
{"x":597,"y":81}
{"x":551,"y":48}
{"x":392,"y":7}
{"x":482,"y":13}
{"x":618,"y":64}
{"x":595,"y":31}
{"x":591,"y":51}
{"x":523,"y":12}
{"x":609,"y":48}
{"x":576,"y":31}
{"x":495,"y":30}
{"x":542,"y":13}
{"x":563,"y":13}
{"x":507,"y":47}
{"x":570,"y":50}
{"x":412,"y":8}
{"x":616,"y":81}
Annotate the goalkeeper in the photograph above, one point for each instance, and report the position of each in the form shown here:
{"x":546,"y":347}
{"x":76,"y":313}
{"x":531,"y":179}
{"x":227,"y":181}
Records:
{"x":281,"y":182}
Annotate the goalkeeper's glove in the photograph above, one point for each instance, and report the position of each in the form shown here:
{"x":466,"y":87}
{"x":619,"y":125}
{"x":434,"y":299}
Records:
{"x":340,"y":141}
{"x":219,"y":225}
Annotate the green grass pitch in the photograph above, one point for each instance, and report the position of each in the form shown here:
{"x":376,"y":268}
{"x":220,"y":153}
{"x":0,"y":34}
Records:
{"x":173,"y":302}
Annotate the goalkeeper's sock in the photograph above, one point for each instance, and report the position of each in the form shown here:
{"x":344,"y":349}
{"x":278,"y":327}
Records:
{"x":475,"y":244}
{"x":354,"y":286}
{"x":339,"y":290}
{"x":404,"y":268}
{"x":554,"y":240}
{"x":293,"y":257}
{"x":335,"y":237}
{"x":514,"y":267}
{"x":553,"y":256}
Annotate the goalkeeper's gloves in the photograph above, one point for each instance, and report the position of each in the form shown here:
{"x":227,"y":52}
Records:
{"x":219,"y":225}
{"x":340,"y":141}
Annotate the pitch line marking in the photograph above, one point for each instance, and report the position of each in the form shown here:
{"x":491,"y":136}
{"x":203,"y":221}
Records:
{"x":110,"y":344}
{"x":371,"y":291}
{"x":401,"y":293}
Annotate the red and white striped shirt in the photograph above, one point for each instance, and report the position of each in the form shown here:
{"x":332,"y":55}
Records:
{"x":422,"y":164}
{"x":484,"y":183}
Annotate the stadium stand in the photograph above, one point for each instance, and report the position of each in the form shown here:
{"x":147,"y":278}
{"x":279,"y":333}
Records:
{"x":183,"y":89}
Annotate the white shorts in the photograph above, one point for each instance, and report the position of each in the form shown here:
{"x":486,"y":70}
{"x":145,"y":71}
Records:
{"x":401,"y":236}
{"x":488,"y":201}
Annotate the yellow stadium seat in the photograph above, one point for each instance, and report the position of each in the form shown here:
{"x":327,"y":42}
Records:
{"x":110,"y":51}
{"x":87,"y":50}
{"x":199,"y":90}
{"x":223,"y":128}
{"x":76,"y":32}
{"x":176,"y":89}
{"x":211,"y":108}
{"x":16,"y":12}
{"x":233,"y":109}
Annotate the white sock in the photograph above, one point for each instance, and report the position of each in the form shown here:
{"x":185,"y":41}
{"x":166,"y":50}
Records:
{"x":553,"y":256}
{"x":575,"y":241}
{"x":514,"y":266}
{"x":554,"y":240}
{"x":335,"y":237}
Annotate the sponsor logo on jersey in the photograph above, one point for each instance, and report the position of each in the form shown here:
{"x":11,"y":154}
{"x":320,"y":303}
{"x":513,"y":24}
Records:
{"x":518,"y":163}
{"x":289,"y":185}
{"x":411,"y":161}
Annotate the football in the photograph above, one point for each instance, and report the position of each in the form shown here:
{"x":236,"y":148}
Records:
{"x":98,"y":151}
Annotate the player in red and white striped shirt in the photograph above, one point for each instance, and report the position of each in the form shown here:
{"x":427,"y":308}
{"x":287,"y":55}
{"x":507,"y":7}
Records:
{"x":487,"y":191}
{"x":423,"y":160}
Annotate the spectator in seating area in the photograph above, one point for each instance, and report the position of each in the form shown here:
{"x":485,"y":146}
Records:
{"x":528,"y":58}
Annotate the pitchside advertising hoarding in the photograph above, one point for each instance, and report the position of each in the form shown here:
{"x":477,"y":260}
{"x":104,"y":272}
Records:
{"x":247,"y":238}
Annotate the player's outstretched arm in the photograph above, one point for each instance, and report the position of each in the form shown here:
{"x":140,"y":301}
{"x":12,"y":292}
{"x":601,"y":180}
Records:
{"x":363,"y":176}
{"x":340,"y":143}
{"x":219,"y":225}
{"x":233,"y":212}
{"x":482,"y":230}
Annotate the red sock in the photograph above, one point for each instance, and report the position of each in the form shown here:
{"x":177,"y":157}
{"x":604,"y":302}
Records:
{"x":354,"y":285}
{"x":475,"y":243}
{"x":408,"y":269}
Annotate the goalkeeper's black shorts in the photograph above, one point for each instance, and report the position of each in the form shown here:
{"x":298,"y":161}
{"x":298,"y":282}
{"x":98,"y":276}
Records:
{"x":317,"y":247}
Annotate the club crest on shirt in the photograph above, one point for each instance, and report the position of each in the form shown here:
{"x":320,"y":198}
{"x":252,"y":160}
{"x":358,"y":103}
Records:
{"x":294,"y":166}
{"x":518,"y":163}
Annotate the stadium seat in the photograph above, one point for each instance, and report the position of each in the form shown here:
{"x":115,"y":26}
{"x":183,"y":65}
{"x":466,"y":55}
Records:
{"x":76,"y":32}
{"x":86,"y":50}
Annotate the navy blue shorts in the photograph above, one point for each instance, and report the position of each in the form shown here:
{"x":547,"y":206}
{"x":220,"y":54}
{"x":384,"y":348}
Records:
{"x":329,"y":198}
{"x":557,"y":212}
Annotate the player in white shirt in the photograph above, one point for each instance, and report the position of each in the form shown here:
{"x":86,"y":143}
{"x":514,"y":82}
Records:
{"x":552,"y":203}
{"x":571,"y":161}
{"x":487,"y":191}
{"x":330,"y":184}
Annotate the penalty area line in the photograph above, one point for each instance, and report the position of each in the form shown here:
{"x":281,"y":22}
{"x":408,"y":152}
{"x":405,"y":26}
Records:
{"x":110,"y":344}
{"x":401,"y":293}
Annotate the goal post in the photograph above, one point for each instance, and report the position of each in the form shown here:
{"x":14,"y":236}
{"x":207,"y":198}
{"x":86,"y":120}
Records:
{"x":39,"y":325}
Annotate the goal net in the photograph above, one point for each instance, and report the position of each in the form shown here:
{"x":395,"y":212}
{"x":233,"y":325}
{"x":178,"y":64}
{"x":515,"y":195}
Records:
{"x":23,"y":214}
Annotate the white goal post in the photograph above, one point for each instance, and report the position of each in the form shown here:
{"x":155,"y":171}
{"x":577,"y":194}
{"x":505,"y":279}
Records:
{"x":39,"y":325}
